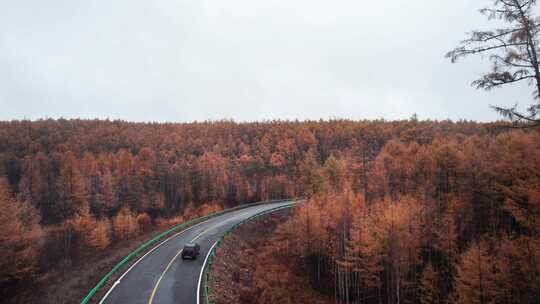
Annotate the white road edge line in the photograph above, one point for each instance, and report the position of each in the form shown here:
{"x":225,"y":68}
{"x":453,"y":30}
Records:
{"x":141,"y":258}
{"x":208,"y":254}
{"x":193,"y":240}
{"x":202,"y":271}
{"x":220,"y":224}
{"x":152,"y":250}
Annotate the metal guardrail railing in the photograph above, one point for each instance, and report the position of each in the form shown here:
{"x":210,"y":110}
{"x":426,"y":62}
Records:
{"x":212,"y":253}
{"x":161,"y":236}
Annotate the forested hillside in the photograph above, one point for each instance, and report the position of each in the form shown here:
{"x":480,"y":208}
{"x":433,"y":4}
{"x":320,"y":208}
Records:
{"x":396,"y":211}
{"x":452,"y":220}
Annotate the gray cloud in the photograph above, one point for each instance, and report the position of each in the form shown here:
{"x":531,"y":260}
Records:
{"x":178,"y":60}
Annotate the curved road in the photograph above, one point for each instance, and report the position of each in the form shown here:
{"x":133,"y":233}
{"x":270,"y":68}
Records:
{"x":162,"y":276}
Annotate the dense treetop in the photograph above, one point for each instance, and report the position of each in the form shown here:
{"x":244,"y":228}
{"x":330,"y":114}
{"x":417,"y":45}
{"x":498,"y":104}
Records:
{"x":390,"y":204}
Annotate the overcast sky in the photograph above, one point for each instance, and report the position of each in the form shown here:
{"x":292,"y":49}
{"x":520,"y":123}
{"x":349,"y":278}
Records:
{"x":185,"y":60}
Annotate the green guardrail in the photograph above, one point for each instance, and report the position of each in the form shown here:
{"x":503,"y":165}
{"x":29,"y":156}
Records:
{"x":162,"y":235}
{"x":212,"y":254}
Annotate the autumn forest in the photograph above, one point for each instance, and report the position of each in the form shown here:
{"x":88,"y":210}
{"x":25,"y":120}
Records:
{"x":396,"y":212}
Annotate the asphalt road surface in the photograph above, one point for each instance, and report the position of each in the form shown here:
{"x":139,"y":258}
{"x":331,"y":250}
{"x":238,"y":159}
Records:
{"x":163,"y":277}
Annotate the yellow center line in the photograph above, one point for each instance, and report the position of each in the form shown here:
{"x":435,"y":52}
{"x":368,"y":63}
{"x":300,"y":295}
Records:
{"x":174,"y":258}
{"x":199,"y":235}
{"x":161,"y":277}
{"x":218,"y":224}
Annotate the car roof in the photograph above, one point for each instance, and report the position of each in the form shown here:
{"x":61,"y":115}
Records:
{"x":190,"y":245}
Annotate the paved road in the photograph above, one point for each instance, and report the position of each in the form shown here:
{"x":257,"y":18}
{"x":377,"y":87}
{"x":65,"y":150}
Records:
{"x":163,"y":277}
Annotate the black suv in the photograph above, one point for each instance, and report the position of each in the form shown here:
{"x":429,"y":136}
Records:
{"x":191,"y":251}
